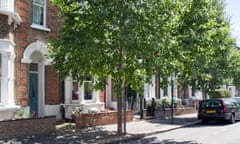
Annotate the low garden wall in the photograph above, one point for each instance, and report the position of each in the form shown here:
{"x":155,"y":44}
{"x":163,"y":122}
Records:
{"x":163,"y":113}
{"x":102,"y":118}
{"x":28,"y":126}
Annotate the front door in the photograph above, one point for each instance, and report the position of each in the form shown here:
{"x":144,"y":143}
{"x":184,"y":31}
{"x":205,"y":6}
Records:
{"x":33,"y":93}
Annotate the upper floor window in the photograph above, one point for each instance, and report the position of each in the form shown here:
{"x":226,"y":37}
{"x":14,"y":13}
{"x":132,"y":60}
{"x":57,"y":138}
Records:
{"x":39,"y":15}
{"x":38,"y":12}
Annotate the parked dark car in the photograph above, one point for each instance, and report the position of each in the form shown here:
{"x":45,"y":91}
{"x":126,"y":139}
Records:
{"x":226,"y":109}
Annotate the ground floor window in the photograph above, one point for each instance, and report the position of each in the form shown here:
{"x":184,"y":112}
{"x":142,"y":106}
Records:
{"x":82,"y":92}
{"x":88,"y":90}
{"x":75,"y":91}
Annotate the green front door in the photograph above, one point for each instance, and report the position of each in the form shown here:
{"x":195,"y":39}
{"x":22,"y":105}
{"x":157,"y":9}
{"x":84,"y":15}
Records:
{"x":33,"y":93}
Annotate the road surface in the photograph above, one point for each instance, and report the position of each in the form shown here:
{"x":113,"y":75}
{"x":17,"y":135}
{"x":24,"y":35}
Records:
{"x":211,"y":133}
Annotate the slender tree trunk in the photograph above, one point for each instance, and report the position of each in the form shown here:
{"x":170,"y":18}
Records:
{"x":124,"y":108}
{"x":120,"y":95}
{"x":119,"y":114}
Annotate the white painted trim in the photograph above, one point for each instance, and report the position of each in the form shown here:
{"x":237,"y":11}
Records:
{"x":7,"y":77}
{"x":41,"y":47}
{"x":7,"y":46}
{"x":52,"y":110}
{"x":36,"y":46}
{"x":39,"y":27}
{"x":41,"y":93}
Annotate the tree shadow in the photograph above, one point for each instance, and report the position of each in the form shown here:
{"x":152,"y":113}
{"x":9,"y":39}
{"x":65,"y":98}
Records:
{"x":67,"y":135}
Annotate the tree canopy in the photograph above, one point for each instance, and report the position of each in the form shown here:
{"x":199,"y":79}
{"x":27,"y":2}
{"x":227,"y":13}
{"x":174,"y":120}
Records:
{"x":130,"y":41}
{"x":205,"y":39}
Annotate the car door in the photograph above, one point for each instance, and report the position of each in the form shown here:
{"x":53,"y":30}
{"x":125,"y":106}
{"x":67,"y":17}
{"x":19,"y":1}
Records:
{"x":236,"y":109}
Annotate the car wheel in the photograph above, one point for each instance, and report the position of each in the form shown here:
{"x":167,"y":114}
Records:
{"x":232,"y":120}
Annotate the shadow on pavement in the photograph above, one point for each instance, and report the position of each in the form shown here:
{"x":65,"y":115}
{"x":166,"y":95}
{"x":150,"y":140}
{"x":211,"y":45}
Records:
{"x":67,"y":135}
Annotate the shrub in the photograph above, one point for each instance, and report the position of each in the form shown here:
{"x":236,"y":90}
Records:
{"x":220,"y":93}
{"x":163,"y":102}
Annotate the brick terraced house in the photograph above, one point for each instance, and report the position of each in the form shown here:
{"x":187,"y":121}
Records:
{"x":27,"y":78}
{"x":28,"y":84}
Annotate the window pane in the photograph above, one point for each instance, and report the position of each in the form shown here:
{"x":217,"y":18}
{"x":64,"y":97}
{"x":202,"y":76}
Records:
{"x":40,"y":2}
{"x":88,"y":88}
{"x":37,"y":15}
{"x":33,"y":67}
{"x":38,"y":11}
{"x":75,"y":91}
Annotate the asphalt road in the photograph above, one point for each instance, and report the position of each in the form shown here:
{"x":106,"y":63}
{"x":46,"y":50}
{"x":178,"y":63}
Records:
{"x":210,"y":133}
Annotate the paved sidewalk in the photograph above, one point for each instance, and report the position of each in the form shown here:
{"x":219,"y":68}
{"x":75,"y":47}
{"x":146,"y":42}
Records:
{"x":141,"y":128}
{"x":68,"y":134}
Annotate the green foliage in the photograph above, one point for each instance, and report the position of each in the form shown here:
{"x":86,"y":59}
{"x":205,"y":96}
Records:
{"x":205,"y":40}
{"x":234,"y":68}
{"x":164,"y":101}
{"x":108,"y":39}
{"x":221,"y":93}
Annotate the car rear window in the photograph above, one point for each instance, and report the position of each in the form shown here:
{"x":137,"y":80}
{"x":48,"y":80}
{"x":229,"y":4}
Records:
{"x":211,"y":103}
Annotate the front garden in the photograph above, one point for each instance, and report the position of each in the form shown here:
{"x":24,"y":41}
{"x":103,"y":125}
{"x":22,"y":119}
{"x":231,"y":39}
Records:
{"x":165,"y":107}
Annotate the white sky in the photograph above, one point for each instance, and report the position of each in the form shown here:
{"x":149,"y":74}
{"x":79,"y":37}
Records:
{"x":233,"y":11}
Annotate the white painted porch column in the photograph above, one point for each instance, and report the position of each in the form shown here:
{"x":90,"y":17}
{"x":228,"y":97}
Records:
{"x":4,"y":79}
{"x":68,"y":90}
{"x":11,"y":80}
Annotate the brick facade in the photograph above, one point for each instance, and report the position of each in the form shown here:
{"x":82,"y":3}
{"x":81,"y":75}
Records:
{"x":52,"y":82}
{"x":24,"y":36}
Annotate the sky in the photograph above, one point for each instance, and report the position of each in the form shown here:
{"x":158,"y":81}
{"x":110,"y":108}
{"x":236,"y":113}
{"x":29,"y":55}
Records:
{"x":233,"y":12}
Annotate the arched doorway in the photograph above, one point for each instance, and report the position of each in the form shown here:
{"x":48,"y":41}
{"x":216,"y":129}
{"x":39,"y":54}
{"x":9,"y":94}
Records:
{"x":34,"y":56}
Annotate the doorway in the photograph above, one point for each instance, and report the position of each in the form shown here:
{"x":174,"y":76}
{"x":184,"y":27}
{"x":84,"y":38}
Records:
{"x":33,"y":89}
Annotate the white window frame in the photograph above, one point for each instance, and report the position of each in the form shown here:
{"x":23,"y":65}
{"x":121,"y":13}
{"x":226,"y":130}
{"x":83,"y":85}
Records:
{"x":1,"y":98}
{"x":83,"y":90}
{"x":38,"y":26}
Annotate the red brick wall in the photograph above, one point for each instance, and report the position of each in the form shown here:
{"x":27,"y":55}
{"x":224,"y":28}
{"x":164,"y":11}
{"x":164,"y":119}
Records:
{"x":25,"y":127}
{"x":52,"y":82}
{"x":103,"y":118}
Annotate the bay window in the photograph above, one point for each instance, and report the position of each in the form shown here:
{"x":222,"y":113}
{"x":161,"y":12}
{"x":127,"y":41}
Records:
{"x":82,"y":93}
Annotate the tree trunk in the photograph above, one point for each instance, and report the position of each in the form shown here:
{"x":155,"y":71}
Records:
{"x":124,"y":109}
{"x":119,"y":114}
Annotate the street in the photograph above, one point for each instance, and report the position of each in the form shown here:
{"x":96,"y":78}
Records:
{"x":210,"y":133}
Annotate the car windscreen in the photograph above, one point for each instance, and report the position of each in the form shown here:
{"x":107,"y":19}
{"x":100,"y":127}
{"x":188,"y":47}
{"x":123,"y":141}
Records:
{"x":211,"y":104}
